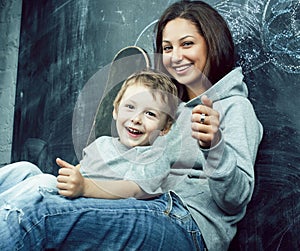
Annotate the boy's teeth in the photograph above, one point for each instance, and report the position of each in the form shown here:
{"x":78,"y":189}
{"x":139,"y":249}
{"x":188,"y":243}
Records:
{"x":134,"y":131}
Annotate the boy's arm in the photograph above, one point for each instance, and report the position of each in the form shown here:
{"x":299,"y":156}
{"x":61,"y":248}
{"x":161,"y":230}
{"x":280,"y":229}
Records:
{"x":72,"y":184}
{"x":113,"y":189}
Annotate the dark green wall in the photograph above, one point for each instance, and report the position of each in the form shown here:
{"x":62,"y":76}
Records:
{"x":64,"y":44}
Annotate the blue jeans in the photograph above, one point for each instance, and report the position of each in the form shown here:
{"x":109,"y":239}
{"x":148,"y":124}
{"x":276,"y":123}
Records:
{"x":50,"y":221}
{"x":22,"y":183}
{"x":13,"y":174}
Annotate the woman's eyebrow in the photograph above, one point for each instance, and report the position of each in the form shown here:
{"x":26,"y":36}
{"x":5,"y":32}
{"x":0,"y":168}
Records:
{"x":182,"y":38}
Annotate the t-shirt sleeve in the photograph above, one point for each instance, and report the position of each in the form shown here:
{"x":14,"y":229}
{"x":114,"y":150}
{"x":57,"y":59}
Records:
{"x":91,"y":160}
{"x":149,"y":173}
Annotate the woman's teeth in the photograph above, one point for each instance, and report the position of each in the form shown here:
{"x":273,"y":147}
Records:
{"x":181,"y":68}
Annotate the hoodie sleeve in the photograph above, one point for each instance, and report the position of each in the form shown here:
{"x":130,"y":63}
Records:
{"x":229,"y":165}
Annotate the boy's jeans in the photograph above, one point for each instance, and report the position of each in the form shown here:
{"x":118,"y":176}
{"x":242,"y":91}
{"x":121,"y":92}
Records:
{"x":43,"y":220}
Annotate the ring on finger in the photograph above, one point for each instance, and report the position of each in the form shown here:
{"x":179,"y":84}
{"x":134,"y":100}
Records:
{"x":202,"y":118}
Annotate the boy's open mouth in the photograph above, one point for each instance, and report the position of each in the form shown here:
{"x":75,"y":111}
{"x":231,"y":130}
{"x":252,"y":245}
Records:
{"x":133,"y":131}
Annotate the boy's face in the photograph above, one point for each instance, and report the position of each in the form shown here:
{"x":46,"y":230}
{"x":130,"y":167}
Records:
{"x":140,"y":117}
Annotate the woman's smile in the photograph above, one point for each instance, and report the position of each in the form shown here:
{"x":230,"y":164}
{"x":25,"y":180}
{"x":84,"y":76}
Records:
{"x":183,"y":69}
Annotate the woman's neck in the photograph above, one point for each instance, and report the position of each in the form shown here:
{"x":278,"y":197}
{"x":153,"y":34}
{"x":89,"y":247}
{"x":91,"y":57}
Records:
{"x":193,"y":93}
{"x":198,"y":88}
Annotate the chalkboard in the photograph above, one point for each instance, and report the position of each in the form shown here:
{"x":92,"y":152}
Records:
{"x":65,"y":45}
{"x":267,"y":37}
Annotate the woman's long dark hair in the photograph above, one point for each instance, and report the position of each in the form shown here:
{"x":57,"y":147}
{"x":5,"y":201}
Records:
{"x":211,"y":26}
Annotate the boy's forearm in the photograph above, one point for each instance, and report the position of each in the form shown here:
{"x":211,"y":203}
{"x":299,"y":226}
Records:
{"x":112,"y":189}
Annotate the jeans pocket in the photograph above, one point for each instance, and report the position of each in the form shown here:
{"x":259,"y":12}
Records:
{"x":175,"y":207}
{"x":179,"y":213}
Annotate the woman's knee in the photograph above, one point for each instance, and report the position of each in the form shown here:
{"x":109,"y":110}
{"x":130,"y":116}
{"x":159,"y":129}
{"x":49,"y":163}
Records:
{"x":26,"y":168}
{"x":45,"y":180}
{"x":18,"y":171}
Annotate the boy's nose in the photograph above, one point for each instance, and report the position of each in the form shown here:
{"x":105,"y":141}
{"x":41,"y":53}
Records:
{"x":137,"y":118}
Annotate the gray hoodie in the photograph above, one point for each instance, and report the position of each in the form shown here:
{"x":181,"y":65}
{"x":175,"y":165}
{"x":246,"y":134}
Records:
{"x":217,"y":192}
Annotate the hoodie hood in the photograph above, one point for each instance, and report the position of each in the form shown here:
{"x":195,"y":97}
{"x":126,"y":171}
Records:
{"x":230,"y":85}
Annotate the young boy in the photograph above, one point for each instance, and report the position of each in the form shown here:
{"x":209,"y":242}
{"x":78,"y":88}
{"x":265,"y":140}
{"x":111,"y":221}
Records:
{"x":130,"y":165}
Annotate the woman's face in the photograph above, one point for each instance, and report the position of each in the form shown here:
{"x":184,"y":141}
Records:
{"x":184,"y":53}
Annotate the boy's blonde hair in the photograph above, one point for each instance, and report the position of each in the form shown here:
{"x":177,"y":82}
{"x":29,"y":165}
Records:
{"x":158,"y":83}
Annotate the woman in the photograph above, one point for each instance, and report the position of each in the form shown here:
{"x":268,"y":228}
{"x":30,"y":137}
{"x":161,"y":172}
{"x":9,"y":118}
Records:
{"x":195,"y":47}
{"x":206,"y":201}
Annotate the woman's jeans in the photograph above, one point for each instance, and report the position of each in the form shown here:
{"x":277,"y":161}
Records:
{"x":38,"y":218}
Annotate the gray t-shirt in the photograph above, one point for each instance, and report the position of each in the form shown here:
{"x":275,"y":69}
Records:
{"x":108,"y":159}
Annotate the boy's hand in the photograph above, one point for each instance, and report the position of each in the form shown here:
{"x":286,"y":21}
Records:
{"x":70,"y":182}
{"x":205,"y":123}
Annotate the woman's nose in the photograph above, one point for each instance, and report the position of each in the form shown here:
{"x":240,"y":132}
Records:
{"x":176,"y":55}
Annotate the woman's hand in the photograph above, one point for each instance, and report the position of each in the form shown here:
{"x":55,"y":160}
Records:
{"x":70,"y":181}
{"x":205,"y":123}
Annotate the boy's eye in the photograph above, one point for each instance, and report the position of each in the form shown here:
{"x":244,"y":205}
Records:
{"x":129,"y":106}
{"x":152,"y":114}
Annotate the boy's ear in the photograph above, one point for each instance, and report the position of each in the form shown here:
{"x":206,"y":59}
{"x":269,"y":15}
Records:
{"x":115,"y":114}
{"x":166,"y":129}
{"x":163,"y":132}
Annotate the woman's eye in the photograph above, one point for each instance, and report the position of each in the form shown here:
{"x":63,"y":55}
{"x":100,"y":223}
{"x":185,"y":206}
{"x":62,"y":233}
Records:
{"x":167,"y":48}
{"x":187,"y":43}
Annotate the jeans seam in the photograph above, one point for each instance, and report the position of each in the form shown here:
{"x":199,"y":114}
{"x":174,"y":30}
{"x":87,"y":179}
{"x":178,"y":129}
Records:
{"x":196,"y":242}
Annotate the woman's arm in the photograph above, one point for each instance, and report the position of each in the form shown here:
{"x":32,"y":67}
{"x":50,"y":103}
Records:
{"x":229,"y":163}
{"x":72,"y":184}
{"x":206,"y":129}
